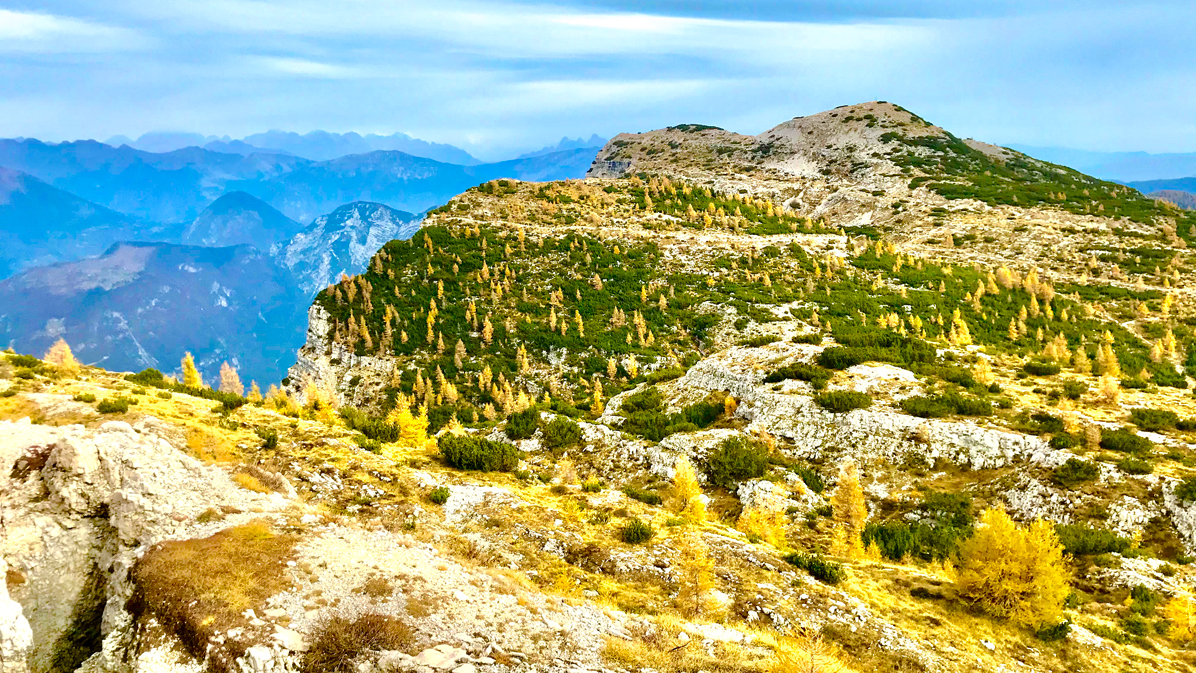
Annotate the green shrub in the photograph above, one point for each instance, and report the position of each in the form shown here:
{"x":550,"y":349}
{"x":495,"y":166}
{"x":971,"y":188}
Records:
{"x":1075,"y":472}
{"x":813,"y":338}
{"x":27,"y":361}
{"x":560,"y":433}
{"x":1154,"y":420}
{"x":477,"y":453}
{"x":439,"y":495}
{"x":664,"y":375}
{"x":840,"y":401}
{"x":1186,"y":490}
{"x":269,"y":438}
{"x":1131,"y":465}
{"x":1054,"y":633}
{"x":1125,"y":441}
{"x":367,"y":444}
{"x":522,"y":424}
{"x":812,"y":479}
{"x":819,"y":568}
{"x":85,"y":397}
{"x":1074,"y":390}
{"x":591,"y":486}
{"x":736,"y":459}
{"x":1080,"y":540}
{"x":646,"y":497}
{"x":1036,"y":368}
{"x":937,"y":406}
{"x":813,"y":374}
{"x":898,"y":539}
{"x":637,"y":531}
{"x":114,"y":405}
{"x":761,"y":340}
{"x":1064,"y":440}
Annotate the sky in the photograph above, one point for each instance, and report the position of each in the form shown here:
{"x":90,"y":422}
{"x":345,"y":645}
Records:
{"x":499,"y":77}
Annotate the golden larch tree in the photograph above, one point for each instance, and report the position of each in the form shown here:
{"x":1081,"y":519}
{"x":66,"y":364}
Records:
{"x":61,"y":357}
{"x":191,"y":377}
{"x":230,"y":382}
{"x":1014,"y":573}
{"x":850,"y":512}
{"x":687,"y":491}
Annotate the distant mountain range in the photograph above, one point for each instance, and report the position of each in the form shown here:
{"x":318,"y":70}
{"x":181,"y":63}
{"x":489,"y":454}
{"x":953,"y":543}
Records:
{"x":1126,"y":167}
{"x":175,"y":186}
{"x":1185,"y":200}
{"x":594,"y":141}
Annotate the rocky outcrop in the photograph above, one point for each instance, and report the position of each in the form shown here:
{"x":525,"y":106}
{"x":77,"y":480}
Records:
{"x":331,"y":367}
{"x":76,"y":507}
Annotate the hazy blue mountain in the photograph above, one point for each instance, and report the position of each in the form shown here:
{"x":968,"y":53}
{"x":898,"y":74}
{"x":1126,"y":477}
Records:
{"x":1182,"y":199}
{"x":145,"y":304}
{"x":40,"y":224}
{"x":1178,"y":184}
{"x":1118,"y":166}
{"x":241,"y":147}
{"x":399,"y":180}
{"x":166,"y":187}
{"x":176,"y":186}
{"x":161,"y":141}
{"x":323,"y":146}
{"x":237,"y":218}
{"x":567,"y":143}
{"x":343,"y":241}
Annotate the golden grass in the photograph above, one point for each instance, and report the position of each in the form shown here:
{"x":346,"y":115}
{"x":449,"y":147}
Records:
{"x":250,"y":482}
{"x":196,"y":588}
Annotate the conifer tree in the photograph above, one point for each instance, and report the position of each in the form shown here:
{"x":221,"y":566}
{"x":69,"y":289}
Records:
{"x":61,"y":357}
{"x":687,"y":490}
{"x":191,"y":377}
{"x":850,"y":512}
{"x":459,"y":354}
{"x":230,"y":382}
{"x":255,"y":393}
{"x":696,"y":579}
{"x":1013,"y":573}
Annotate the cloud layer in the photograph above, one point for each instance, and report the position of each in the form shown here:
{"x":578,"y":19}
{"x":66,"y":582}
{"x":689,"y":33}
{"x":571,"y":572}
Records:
{"x":496,"y":77}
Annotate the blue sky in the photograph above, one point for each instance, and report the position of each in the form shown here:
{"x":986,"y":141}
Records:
{"x":498,"y":77}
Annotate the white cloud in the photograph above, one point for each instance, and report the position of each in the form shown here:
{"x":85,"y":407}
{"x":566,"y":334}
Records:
{"x":305,"y":68}
{"x":46,"y":33}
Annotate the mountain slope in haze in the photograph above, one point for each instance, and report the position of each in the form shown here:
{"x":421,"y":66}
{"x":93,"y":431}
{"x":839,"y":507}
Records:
{"x":1182,"y":199}
{"x":323,"y":146}
{"x":40,"y":224}
{"x":399,"y":180}
{"x":236,"y":218}
{"x":343,"y":242}
{"x":1178,"y":184}
{"x":595,"y":141}
{"x":1118,"y":166}
{"x":169,"y":187}
{"x":144,"y":304}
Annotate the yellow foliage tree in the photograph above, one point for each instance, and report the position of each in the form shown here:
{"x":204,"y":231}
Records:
{"x":413,"y":428}
{"x":1014,"y":573}
{"x":765,"y":523}
{"x":695,"y":578}
{"x":61,"y":357}
{"x":1180,"y":611}
{"x":850,"y":512}
{"x":812,"y":656}
{"x":255,"y":393}
{"x":230,"y":382}
{"x":191,"y":377}
{"x":687,"y":490}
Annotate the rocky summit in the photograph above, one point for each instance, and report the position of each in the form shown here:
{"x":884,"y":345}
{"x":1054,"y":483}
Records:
{"x":852,"y":394}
